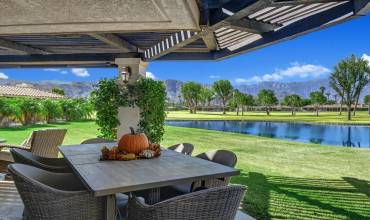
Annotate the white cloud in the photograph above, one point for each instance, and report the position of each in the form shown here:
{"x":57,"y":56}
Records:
{"x":366,"y":57}
{"x":80,"y":72}
{"x":52,"y":69}
{"x":214,"y":76}
{"x":295,"y":70}
{"x":3,"y":76}
{"x":61,"y":71}
{"x":303,"y":71}
{"x":150,"y":75}
{"x":241,"y":80}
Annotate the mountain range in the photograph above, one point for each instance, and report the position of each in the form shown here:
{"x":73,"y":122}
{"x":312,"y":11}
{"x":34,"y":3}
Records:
{"x":83,"y":89}
{"x":281,"y":89}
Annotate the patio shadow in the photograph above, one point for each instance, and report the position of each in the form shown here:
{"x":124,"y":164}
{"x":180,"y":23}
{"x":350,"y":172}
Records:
{"x":256,"y":200}
{"x":362,"y":186}
{"x":29,"y":127}
{"x":278,"y":197}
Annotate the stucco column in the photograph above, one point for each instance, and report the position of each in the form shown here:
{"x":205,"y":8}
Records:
{"x":129,"y":116}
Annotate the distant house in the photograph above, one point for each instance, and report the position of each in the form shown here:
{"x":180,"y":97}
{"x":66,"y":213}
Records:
{"x":24,"y":91}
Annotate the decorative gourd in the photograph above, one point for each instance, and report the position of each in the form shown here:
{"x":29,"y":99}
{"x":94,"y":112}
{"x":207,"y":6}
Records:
{"x":133,"y":142}
{"x":147,"y":154}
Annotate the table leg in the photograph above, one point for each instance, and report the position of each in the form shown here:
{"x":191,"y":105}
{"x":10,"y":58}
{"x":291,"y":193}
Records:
{"x":110,"y":207}
{"x":154,"y":196}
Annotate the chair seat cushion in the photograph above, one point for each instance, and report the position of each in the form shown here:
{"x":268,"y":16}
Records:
{"x":175,"y":190}
{"x":5,"y":155}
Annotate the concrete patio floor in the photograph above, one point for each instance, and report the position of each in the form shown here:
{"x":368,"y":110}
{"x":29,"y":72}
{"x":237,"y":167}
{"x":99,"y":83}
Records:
{"x":11,"y":206}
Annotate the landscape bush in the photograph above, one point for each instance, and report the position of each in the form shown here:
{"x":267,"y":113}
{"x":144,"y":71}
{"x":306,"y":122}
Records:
{"x":27,"y":111}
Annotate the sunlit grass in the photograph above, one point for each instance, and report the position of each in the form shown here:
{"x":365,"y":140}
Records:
{"x":76,"y":131}
{"x":309,"y":117}
{"x":285,"y":180}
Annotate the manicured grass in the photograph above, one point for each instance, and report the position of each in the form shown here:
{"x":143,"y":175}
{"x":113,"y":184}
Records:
{"x":290,"y":180}
{"x":285,"y":180}
{"x":76,"y":132}
{"x":308,"y":117}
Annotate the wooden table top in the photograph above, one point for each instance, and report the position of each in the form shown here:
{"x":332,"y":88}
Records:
{"x":110,"y":177}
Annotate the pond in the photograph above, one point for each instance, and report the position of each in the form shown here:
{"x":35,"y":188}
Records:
{"x":337,"y":135}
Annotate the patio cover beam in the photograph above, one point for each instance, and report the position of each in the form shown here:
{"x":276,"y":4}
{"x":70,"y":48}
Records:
{"x":321,"y":20}
{"x":20,"y":48}
{"x":210,"y":41}
{"x":115,"y":41}
{"x":63,"y":60}
{"x":251,"y":26}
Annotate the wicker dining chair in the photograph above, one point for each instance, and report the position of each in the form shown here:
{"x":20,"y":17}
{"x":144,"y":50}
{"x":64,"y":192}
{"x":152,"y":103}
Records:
{"x":224,"y":157}
{"x":57,"y":165}
{"x":97,"y":141}
{"x":220,"y":203}
{"x":42,"y":143}
{"x":184,"y":148}
{"x":56,"y":196}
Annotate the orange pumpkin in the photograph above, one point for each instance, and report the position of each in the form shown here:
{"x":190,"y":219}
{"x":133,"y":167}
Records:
{"x":133,"y":142}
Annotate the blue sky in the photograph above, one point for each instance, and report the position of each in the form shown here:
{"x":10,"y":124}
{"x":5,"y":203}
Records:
{"x":307,"y":57}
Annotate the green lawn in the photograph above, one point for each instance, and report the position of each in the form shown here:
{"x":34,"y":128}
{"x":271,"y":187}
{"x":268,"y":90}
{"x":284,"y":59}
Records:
{"x":309,"y":117}
{"x":286,"y":180}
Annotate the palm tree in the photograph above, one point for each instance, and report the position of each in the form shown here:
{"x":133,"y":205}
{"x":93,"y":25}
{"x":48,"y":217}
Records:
{"x":322,"y":89}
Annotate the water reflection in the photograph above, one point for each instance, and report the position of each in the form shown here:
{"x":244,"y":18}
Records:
{"x":317,"y":135}
{"x":339,"y":135}
{"x":348,"y":142}
{"x":292,"y":132}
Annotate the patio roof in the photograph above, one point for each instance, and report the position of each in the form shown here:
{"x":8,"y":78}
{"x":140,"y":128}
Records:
{"x":76,"y":33}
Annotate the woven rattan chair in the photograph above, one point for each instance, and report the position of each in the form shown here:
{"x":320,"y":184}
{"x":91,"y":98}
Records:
{"x":97,"y":141}
{"x":220,"y":203}
{"x":58,"y":165}
{"x":184,"y":148}
{"x":56,"y":196}
{"x":224,"y":157}
{"x":42,"y":143}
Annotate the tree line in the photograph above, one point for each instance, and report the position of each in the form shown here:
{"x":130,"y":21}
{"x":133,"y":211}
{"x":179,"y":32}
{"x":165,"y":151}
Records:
{"x":348,"y":80}
{"x":30,"y":110}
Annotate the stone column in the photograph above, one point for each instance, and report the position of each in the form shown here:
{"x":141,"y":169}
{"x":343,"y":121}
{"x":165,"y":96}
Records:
{"x":129,"y":116}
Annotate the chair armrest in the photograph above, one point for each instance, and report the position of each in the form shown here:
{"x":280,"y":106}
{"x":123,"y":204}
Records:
{"x":14,"y":146}
{"x":137,"y":199}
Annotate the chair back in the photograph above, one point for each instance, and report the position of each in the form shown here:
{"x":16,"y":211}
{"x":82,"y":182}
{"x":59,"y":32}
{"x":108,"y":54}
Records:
{"x":45,"y":143}
{"x":218,"y":203}
{"x":97,"y":141}
{"x":57,"y":165}
{"x":224,"y":157}
{"x":48,"y":195}
{"x":184,"y":148}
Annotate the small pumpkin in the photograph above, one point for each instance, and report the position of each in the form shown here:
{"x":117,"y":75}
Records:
{"x":133,"y":142}
{"x":147,"y":154}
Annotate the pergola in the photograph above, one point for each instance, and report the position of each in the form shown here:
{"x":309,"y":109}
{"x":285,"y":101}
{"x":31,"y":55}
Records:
{"x":121,"y":33}
{"x":93,"y":33}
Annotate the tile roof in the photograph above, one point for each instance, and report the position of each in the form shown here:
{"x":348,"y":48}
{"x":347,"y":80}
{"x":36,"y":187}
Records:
{"x":21,"y":91}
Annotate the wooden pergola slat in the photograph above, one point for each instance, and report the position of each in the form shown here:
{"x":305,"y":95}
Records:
{"x":10,"y":45}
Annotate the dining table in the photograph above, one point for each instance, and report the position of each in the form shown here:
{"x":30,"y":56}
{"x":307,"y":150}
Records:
{"x":106,"y":178}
